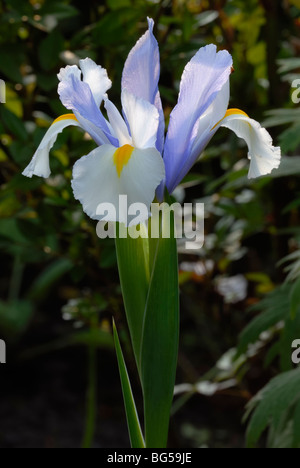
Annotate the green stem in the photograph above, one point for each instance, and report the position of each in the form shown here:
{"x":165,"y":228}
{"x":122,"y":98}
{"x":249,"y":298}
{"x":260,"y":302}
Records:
{"x":91,"y":398}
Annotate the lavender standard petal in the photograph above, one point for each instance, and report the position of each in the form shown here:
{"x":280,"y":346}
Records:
{"x":203,"y":78}
{"x":141,"y":75}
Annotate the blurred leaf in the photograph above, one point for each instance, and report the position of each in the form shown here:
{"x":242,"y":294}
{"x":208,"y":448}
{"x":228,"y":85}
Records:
{"x":48,"y":278}
{"x":110,"y":29}
{"x":257,"y":53}
{"x":290,"y":166}
{"x":10,"y":63}
{"x":293,"y":269}
{"x":281,"y":436}
{"x":31,"y":229}
{"x":13,"y":124}
{"x":21,"y":154}
{"x":206,"y":17}
{"x":281,"y":117}
{"x":288,"y":64}
{"x":14,"y":318}
{"x":9,"y":228}
{"x":14,"y":103}
{"x":47,"y":82}
{"x":271,"y":402}
{"x":274,"y":307}
{"x":59,"y":10}
{"x":296,"y":428}
{"x":9,"y":205}
{"x":49,"y":50}
{"x":23,"y":8}
{"x":290,"y":139}
{"x":295,"y":2}
{"x":94,"y":337}
{"x":295,"y":299}
{"x":117,"y":4}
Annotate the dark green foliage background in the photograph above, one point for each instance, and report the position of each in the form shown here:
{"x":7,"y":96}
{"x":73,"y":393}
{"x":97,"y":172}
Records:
{"x":59,"y":285}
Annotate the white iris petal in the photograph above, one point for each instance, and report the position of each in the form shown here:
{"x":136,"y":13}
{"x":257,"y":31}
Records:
{"x":39,"y":165}
{"x":65,"y":73}
{"x":96,"y":180}
{"x":117,"y":123}
{"x":143,"y":120}
{"x":263,"y":155}
{"x":96,"y":77}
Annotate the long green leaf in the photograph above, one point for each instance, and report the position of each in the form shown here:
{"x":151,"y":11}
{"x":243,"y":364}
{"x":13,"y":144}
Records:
{"x":133,"y":264}
{"x":160,"y":341}
{"x":135,"y":432}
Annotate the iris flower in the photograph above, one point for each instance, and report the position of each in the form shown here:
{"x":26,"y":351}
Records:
{"x":132,"y":157}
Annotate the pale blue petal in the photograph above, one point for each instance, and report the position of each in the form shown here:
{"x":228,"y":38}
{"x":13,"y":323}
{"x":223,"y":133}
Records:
{"x":202,"y":80}
{"x":160,"y":191}
{"x":77,"y":96}
{"x":141,"y":75}
{"x":203,"y":131}
{"x":93,"y":130}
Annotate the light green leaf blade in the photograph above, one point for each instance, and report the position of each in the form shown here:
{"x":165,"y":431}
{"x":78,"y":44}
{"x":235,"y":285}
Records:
{"x":160,"y":341}
{"x":133,"y":264}
{"x":135,"y":432}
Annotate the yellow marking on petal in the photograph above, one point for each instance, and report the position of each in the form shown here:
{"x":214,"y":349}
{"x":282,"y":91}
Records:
{"x":235,"y":112}
{"x":231,"y":112}
{"x":122,"y":157}
{"x":65,"y":117}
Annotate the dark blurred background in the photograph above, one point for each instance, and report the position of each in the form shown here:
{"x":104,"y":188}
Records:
{"x":59,"y":284}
